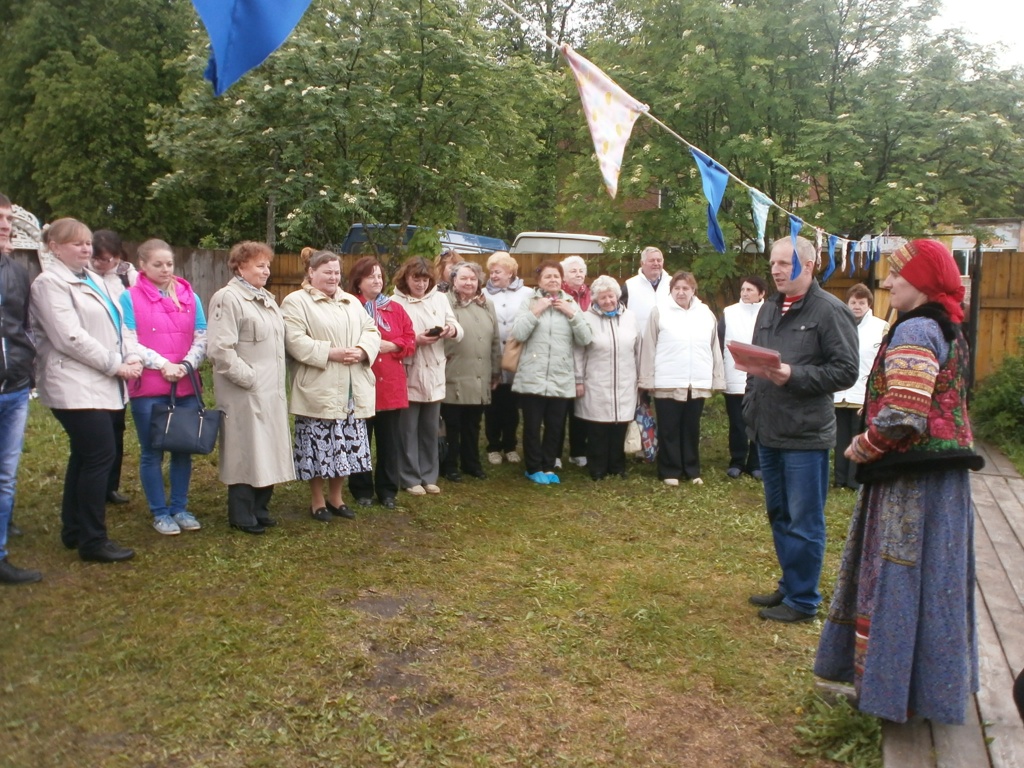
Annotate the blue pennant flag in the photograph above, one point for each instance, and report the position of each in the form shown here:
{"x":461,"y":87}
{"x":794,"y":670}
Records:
{"x":795,"y":225}
{"x":877,"y":253}
{"x":243,"y":33}
{"x":854,"y":248}
{"x":832,"y":240}
{"x":714,"y":177}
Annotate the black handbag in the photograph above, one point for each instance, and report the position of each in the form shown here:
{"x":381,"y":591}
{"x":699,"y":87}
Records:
{"x":185,"y":428}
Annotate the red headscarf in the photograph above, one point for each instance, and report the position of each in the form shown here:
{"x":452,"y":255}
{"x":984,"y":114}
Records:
{"x":929,"y":266}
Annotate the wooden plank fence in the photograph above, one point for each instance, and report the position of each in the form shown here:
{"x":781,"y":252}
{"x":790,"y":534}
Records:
{"x":1001,"y":291}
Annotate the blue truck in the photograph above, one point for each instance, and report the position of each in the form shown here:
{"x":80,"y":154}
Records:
{"x":359,"y":237}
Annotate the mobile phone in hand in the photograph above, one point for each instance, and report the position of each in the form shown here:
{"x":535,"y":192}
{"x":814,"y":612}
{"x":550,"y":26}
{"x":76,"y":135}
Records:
{"x":435,"y":331}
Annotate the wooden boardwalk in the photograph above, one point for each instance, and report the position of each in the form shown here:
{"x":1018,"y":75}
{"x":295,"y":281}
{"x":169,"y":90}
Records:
{"x":993,"y":737}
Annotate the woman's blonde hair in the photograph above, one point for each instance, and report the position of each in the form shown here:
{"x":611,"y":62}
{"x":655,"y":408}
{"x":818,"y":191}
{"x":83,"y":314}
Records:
{"x":504,"y":260}
{"x":66,"y":230}
{"x":151,"y":248}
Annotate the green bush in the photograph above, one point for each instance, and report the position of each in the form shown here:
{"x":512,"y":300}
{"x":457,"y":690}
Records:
{"x":997,"y":413}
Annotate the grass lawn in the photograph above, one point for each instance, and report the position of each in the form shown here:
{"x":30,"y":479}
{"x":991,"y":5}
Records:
{"x":500,"y":624}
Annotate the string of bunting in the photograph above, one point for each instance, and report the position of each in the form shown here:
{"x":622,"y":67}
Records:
{"x":611,"y":113}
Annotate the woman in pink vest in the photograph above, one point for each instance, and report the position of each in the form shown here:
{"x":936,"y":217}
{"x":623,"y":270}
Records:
{"x":169,"y":325}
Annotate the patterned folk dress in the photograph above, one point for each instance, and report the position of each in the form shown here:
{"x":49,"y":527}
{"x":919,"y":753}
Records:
{"x":901,"y":626}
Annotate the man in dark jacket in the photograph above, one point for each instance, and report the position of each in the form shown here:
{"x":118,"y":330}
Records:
{"x":790,"y":414}
{"x":16,"y":357}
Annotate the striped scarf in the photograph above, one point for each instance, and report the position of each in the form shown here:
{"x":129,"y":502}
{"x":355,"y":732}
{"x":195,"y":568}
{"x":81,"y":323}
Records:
{"x":373,"y":307}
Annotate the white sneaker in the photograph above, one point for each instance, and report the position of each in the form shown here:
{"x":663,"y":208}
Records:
{"x":165,"y":524}
{"x":512,"y":457}
{"x":697,"y":481}
{"x":416,"y":490}
{"x":495,"y":458}
{"x":558,"y":463}
{"x":672,"y":481}
{"x":186,"y":521}
{"x":579,"y":461}
{"x":431,"y":488}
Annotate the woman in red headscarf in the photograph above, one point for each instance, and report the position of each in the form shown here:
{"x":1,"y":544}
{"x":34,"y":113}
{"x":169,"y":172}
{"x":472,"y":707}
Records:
{"x":901,"y":626}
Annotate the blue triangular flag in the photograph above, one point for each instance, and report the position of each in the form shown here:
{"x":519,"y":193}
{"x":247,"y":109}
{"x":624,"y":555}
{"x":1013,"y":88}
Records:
{"x":714,"y":177}
{"x":877,"y":253}
{"x":832,"y":240}
{"x":795,"y":225}
{"x":243,"y":33}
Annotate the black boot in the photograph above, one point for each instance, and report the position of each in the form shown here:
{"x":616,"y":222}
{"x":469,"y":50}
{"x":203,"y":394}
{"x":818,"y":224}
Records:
{"x":12,"y":574}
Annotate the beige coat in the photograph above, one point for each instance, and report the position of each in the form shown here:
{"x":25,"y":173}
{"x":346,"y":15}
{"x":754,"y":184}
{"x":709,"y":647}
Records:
{"x":78,"y":347}
{"x":113,"y":283}
{"x":314,"y":323}
{"x":607,"y":367}
{"x":246,"y":347}
{"x":425,"y":369}
{"x":473,"y":363}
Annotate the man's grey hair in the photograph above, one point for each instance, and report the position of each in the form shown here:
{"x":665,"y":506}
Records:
{"x":650,"y":249}
{"x":805,"y":249}
{"x":602,"y":284}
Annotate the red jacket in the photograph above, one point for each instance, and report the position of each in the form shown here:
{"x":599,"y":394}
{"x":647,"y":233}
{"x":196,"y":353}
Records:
{"x":392,"y":391}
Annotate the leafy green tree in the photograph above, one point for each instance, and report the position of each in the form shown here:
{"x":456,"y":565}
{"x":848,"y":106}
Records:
{"x":392,"y":112}
{"x":79,"y":79}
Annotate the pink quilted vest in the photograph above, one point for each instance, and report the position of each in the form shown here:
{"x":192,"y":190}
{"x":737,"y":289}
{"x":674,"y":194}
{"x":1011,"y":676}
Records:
{"x":165,"y":329}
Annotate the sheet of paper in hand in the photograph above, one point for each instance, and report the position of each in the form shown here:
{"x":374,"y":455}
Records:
{"x":754,"y":359}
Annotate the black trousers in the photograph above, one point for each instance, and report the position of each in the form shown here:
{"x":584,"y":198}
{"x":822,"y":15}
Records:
{"x":543,"y":425}
{"x":83,"y":513}
{"x":606,"y":448}
{"x":577,"y":433}
{"x":114,"y":480}
{"x":742,"y":452}
{"x":847,"y":425}
{"x":678,"y":437}
{"x":247,"y":505}
{"x":501,"y":419}
{"x":462,"y":432}
{"x":383,"y":480}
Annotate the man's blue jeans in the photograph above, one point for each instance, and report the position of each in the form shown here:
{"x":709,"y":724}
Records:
{"x":13,"y":415}
{"x":151,"y":473}
{"x":795,"y":489}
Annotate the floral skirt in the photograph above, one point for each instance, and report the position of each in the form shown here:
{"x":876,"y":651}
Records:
{"x":330,"y":447}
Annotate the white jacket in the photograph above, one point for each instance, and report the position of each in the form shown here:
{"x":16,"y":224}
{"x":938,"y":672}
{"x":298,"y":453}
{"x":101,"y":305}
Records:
{"x":870,"y":331}
{"x":738,"y":320}
{"x":425,"y":369}
{"x":681,"y":350}
{"x":642,"y":298}
{"x":506,"y":304}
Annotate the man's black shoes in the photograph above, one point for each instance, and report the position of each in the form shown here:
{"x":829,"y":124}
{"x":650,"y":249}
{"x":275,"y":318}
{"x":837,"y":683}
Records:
{"x":12,"y":574}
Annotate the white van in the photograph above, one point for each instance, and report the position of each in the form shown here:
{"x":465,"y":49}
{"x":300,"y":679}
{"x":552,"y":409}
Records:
{"x":558,"y":243}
